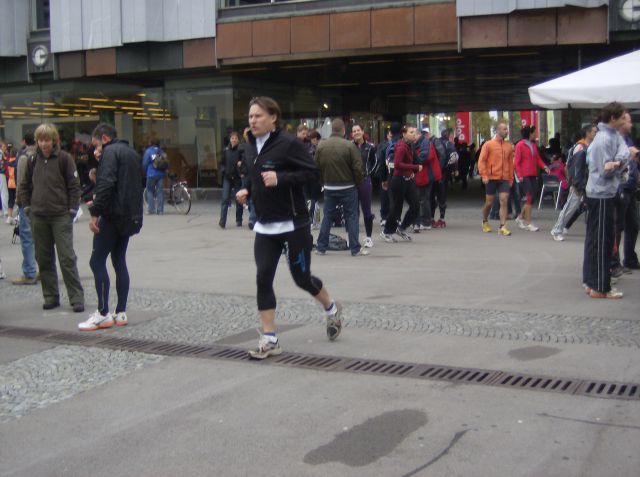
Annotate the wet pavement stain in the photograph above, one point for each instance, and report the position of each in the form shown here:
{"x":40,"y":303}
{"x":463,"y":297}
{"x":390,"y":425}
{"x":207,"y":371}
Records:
{"x":531,"y":353}
{"x":369,"y":441}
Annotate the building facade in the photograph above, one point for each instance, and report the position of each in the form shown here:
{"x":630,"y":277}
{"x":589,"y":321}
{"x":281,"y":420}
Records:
{"x":183,"y":72}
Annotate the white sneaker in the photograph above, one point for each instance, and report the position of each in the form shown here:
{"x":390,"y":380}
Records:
{"x":383,"y":223}
{"x":565,"y":231}
{"x":558,"y":237}
{"x":10,"y":220}
{"x":96,"y":321}
{"x":532,"y":228}
{"x":368,"y":242}
{"x":2,"y":274}
{"x":121,"y":319}
{"x":521,"y":223}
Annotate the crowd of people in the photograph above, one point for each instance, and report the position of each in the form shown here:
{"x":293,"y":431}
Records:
{"x":280,"y":178}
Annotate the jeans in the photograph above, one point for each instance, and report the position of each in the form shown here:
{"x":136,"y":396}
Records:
{"x":109,"y":242}
{"x":348,"y":199}
{"x":155,"y":194}
{"x":228,"y":185}
{"x":252,"y":208}
{"x":26,"y":243}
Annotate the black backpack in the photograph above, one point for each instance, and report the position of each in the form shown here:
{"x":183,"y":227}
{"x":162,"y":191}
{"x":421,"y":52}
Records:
{"x":160,"y":160}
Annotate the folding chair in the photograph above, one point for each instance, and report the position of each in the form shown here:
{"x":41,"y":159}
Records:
{"x":550,"y":185}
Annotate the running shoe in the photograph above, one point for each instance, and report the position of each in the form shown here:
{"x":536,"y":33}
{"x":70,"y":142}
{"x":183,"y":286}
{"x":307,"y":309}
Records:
{"x":425,"y":227}
{"x":442,"y":224}
{"x":267,"y":346}
{"x":557,"y":237}
{"x":121,"y":319}
{"x":361,"y":253}
{"x":96,"y":321}
{"x":565,"y":231}
{"x":486,"y":228}
{"x":387,"y":237}
{"x":334,"y":323}
{"x":521,"y":223}
{"x":611,"y":294}
{"x":403,"y":235}
{"x":416,"y":229}
{"x":532,"y":228}
{"x":504,"y":231}
{"x":368,"y":242}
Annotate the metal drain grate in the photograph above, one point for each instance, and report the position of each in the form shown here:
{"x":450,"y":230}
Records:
{"x":461,"y":375}
{"x":538,"y":383}
{"x":504,"y":379}
{"x":24,"y":332}
{"x":604,"y":389}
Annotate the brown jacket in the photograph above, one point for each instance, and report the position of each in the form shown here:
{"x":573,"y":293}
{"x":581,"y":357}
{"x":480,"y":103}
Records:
{"x":50,"y":186}
{"x":496,"y":160}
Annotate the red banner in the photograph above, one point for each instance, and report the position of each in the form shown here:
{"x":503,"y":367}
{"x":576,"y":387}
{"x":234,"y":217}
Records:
{"x":463,"y":129}
{"x":529,"y":118}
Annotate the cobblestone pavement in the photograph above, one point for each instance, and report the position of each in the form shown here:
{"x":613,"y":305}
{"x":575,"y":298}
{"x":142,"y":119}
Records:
{"x":50,"y":376}
{"x":44,"y":378}
{"x":201,"y":318}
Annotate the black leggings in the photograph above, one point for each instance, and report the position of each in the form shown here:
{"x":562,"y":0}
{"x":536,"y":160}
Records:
{"x":109,"y":241}
{"x":267,"y":250}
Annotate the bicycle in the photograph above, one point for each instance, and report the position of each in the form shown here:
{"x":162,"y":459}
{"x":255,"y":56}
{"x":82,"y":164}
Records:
{"x":179,"y":195}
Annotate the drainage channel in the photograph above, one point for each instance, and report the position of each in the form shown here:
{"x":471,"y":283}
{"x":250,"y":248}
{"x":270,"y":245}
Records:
{"x":487,"y":377}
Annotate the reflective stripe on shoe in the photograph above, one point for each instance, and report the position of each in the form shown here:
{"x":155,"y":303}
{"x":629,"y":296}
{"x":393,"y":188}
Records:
{"x":334,"y":323}
{"x":266,"y":347}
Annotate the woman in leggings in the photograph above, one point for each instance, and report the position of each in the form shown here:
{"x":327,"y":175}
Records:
{"x":279,"y":167}
{"x":368,"y":153}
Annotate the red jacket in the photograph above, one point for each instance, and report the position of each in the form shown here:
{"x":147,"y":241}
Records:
{"x":526,"y":163}
{"x":430,"y":165}
{"x":403,"y":160}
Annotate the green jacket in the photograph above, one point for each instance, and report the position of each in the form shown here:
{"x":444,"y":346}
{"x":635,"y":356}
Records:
{"x":339,"y":162}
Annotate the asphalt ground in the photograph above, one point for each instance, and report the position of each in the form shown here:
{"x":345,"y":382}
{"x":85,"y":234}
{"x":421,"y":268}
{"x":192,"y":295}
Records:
{"x":453,"y":297}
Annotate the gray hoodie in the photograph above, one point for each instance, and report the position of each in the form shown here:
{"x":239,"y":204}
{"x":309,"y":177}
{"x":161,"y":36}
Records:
{"x":607,"y":146}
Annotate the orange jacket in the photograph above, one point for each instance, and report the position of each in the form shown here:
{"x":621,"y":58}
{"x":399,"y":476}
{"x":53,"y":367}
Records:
{"x":496,"y":160}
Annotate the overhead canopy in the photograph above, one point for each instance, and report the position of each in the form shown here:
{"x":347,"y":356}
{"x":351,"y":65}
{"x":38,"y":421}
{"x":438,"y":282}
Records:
{"x":617,"y":79}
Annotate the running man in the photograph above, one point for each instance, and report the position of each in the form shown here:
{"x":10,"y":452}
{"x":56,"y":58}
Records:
{"x":279,"y":167}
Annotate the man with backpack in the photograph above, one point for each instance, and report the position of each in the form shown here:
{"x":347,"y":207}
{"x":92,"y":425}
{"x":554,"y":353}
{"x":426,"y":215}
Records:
{"x":155,"y":163}
{"x":577,"y":174}
{"x":447,"y":157}
{"x":428,"y":157}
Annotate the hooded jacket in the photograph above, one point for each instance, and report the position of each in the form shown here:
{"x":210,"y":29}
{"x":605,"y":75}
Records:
{"x":50,"y":186}
{"x":289,"y":158}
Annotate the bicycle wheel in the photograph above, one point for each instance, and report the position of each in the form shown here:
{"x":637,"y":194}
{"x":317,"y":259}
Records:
{"x":181,"y":199}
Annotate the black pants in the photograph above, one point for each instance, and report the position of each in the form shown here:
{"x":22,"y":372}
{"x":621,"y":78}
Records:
{"x":267,"y":250}
{"x":598,"y":244}
{"x":109,"y":241}
{"x":439,"y":197}
{"x":401,"y":189}
{"x":626,"y":214}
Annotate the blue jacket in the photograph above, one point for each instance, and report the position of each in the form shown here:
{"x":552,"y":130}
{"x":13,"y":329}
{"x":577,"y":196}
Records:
{"x":147,"y":163}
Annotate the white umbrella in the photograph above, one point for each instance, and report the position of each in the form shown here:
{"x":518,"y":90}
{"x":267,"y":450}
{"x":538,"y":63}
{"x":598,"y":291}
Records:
{"x":617,"y":79}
